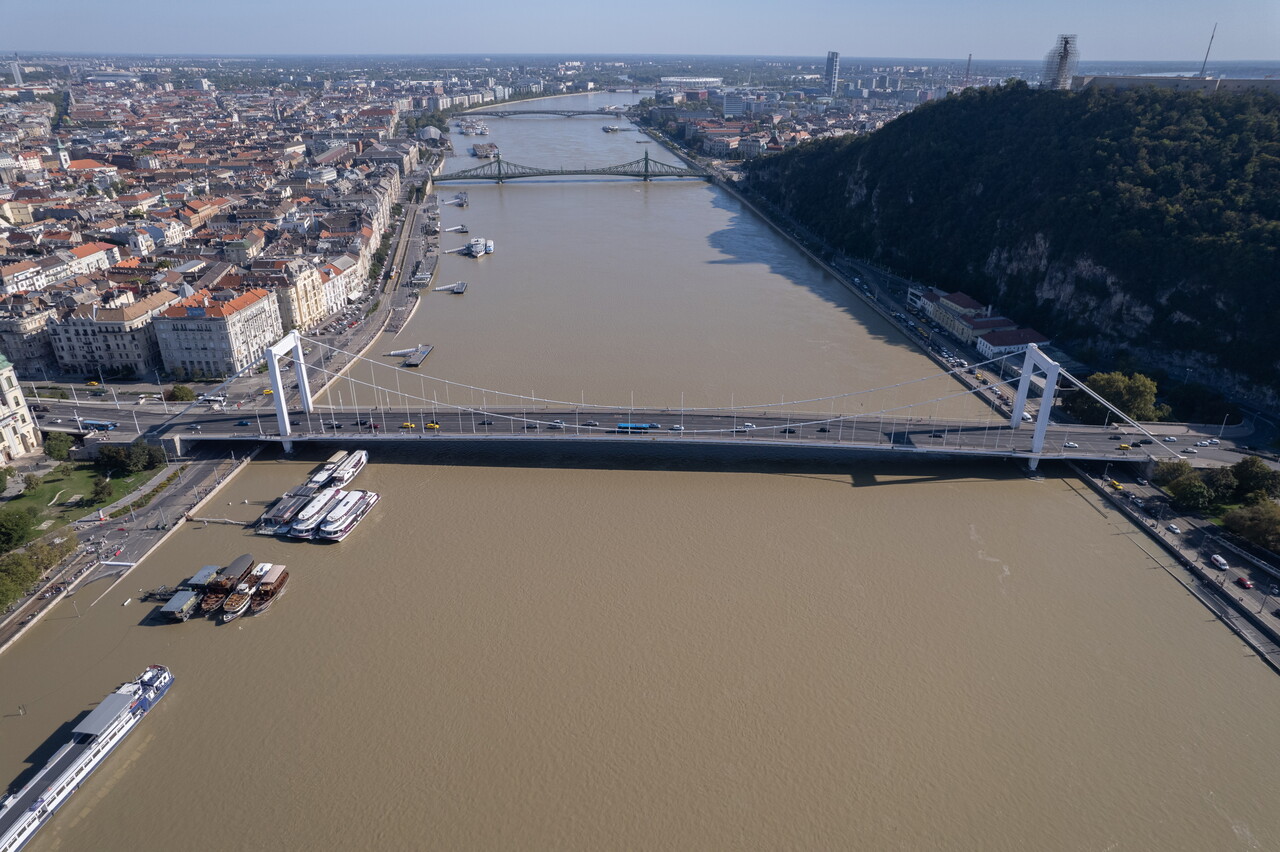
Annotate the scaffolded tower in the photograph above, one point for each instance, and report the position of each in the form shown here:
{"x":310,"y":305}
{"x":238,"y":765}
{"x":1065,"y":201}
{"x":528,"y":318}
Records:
{"x":1060,"y":64}
{"x":833,"y":73}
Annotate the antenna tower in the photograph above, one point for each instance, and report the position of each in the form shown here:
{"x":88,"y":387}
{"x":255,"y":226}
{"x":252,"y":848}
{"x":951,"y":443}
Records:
{"x":1205,"y":64}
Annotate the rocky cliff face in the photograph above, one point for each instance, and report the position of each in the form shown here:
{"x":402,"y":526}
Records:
{"x":1142,"y":225}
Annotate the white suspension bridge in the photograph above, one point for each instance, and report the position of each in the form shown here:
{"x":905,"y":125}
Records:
{"x":401,"y":404}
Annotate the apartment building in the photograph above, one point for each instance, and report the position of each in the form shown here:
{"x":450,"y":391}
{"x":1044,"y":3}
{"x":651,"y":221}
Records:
{"x":217,"y":333}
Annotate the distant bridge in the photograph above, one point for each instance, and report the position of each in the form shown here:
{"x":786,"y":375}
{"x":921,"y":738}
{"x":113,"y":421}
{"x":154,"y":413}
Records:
{"x":564,"y":113}
{"x":500,"y":170}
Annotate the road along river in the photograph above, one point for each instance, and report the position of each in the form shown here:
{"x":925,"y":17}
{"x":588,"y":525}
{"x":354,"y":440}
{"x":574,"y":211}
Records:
{"x":685,"y":655}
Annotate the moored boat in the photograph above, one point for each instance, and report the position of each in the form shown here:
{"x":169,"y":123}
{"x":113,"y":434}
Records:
{"x":325,"y":472}
{"x":337,"y":528}
{"x":222,"y":585}
{"x":23,"y":813}
{"x":271,"y":587}
{"x":350,"y":466}
{"x":314,"y":512}
{"x":238,"y":601}
{"x":488,"y":246}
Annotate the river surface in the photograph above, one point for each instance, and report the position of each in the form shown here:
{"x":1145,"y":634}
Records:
{"x":680,"y":653}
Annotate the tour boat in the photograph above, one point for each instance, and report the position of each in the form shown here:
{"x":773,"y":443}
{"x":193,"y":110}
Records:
{"x":23,"y":813}
{"x":271,"y":587}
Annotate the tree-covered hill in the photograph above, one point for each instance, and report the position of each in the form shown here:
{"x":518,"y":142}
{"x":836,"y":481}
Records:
{"x":1141,"y":221}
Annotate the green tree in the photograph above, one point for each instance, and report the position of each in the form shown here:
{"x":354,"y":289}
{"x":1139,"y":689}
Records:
{"x":58,"y":445}
{"x":103,"y":488}
{"x":30,"y":483}
{"x":1134,"y":394}
{"x":180,"y":393}
{"x":112,"y":458}
{"x":1252,"y":474}
{"x":139,"y":457}
{"x":1221,"y":482}
{"x":1188,"y":492}
{"x":15,"y":526}
{"x":1259,"y":524}
{"x":5,"y":473}
{"x":1168,"y":471}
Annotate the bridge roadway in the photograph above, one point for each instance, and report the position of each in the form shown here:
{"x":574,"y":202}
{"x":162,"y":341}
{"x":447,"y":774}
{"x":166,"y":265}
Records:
{"x":564,"y":113}
{"x":256,"y":422}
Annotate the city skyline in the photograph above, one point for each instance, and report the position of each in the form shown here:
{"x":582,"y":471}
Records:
{"x":1248,"y":30}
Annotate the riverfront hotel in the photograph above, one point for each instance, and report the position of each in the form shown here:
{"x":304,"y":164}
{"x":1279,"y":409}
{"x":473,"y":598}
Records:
{"x":17,"y":429}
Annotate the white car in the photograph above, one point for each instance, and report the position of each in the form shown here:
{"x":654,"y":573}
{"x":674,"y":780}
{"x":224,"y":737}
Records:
{"x":675,"y":428}
{"x":1169,"y":439}
{"x":1071,"y":445}
{"x":1213,"y":442}
{"x":748,"y":425}
{"x":1175,"y":529}
{"x":1191,"y":450}
{"x":1202,"y":443}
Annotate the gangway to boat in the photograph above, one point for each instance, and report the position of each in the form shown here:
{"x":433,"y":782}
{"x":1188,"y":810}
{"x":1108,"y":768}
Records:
{"x":461,"y":229}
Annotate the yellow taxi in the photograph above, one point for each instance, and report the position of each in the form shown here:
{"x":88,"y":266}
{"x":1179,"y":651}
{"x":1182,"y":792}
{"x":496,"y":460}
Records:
{"x":267,"y":392}
{"x":431,"y":424}
{"x":407,"y":425}
{"x":1116,"y":485}
{"x":92,"y":384}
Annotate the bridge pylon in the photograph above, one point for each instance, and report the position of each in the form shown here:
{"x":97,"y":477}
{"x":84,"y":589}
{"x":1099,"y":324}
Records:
{"x":291,"y":343}
{"x":1035,"y":358}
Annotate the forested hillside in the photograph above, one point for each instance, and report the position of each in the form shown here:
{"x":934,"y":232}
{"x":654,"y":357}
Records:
{"x":1141,"y":225}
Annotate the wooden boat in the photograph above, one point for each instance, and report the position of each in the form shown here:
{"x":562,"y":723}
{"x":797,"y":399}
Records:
{"x":222,"y":585}
{"x":271,"y":587}
{"x":238,"y":601}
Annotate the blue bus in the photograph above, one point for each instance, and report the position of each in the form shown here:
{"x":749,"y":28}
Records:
{"x":99,"y":425}
{"x":638,"y":427}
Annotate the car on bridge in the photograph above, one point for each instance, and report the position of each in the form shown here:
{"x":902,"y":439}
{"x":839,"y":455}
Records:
{"x":787,"y":431}
{"x":242,"y":423}
{"x":676,"y":428}
{"x":823,"y":429}
{"x":1175,"y":529}
{"x":431,"y":424}
{"x":485,"y":423}
{"x":1071,"y":445}
{"x":1244,"y":582}
{"x":408,"y":425}
{"x":591,"y":423}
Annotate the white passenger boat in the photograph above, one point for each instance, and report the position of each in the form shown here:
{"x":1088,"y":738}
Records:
{"x":488,"y":246}
{"x":351,"y":465}
{"x":304,"y":525}
{"x":337,"y":528}
{"x":22,"y":813}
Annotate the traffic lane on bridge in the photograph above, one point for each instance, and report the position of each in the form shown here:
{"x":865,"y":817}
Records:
{"x":871,"y":429}
{"x":996,"y":436}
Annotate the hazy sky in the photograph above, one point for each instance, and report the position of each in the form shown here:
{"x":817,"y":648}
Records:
{"x":996,"y":29}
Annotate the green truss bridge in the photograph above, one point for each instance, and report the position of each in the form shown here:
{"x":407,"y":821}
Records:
{"x":500,"y":170}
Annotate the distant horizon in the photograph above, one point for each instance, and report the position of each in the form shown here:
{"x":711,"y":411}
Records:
{"x":1175,"y":31}
{"x":39,"y":54}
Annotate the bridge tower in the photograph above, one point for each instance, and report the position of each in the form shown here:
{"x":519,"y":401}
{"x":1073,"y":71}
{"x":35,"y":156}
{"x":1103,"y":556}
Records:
{"x":646,"y":166}
{"x":290,"y":344}
{"x":1035,"y":359}
{"x":498,"y":160}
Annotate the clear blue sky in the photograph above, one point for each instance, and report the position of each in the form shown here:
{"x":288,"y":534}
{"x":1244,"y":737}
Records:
{"x":993,"y":29}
